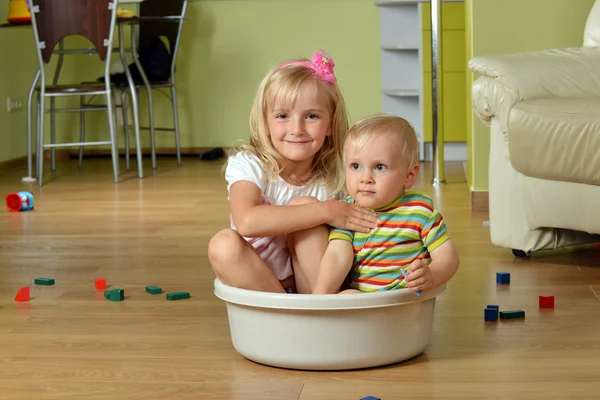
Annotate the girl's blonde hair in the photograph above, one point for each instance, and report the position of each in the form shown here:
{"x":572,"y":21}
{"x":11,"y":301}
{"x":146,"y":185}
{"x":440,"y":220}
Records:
{"x":363,"y":131}
{"x":284,"y":84}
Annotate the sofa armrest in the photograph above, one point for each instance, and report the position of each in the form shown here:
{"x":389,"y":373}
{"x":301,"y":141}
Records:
{"x":511,"y":78}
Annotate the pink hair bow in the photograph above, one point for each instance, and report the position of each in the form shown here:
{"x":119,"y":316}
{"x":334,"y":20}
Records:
{"x":322,"y":64}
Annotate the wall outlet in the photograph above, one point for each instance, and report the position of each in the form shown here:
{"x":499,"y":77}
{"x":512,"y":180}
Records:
{"x":14,"y":104}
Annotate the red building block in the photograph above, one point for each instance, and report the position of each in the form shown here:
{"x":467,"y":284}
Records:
{"x":100,"y":283}
{"x":23,"y":294}
{"x":546,"y":301}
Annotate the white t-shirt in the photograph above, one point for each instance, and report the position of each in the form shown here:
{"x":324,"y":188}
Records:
{"x":247,"y":167}
{"x":273,"y":250}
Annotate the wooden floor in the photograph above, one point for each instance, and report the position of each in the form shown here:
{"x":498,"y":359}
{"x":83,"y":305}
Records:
{"x":70,"y":343}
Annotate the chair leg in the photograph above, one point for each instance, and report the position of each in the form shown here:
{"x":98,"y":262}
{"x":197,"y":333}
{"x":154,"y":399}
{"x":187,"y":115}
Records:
{"x":134,"y":103}
{"x":151,"y":121}
{"x":176,"y":123}
{"x":125,"y":125}
{"x":113,"y":136}
{"x":81,"y":129}
{"x":31,"y":150}
{"x":134,"y":30}
{"x":52,"y":133}
{"x":40,"y":138}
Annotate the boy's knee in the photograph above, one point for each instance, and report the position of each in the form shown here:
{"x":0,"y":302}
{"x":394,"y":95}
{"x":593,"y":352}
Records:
{"x":303,"y":200}
{"x":224,"y":245}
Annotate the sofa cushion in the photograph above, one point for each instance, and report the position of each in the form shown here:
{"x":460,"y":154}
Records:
{"x":556,"y":139}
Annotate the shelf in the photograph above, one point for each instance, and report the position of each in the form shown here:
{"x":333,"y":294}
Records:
{"x":406,"y":107}
{"x":402,"y":92}
{"x":399,"y":48}
{"x":400,"y":70}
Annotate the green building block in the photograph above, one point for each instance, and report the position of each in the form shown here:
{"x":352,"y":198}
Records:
{"x":114,"y":295}
{"x":153,"y":290}
{"x":178,"y":295}
{"x":44,"y":281}
{"x":512,"y":314}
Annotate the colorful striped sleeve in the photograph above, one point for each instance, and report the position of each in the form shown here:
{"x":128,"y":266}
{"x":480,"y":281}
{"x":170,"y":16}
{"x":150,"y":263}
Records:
{"x":434,"y":232}
{"x":336,"y":233}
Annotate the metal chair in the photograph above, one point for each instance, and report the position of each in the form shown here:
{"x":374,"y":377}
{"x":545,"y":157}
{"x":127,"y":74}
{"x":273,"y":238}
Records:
{"x":52,"y":21}
{"x":156,"y":19}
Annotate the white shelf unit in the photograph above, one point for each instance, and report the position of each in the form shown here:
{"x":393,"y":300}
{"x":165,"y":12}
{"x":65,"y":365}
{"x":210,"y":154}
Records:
{"x":401,"y":50}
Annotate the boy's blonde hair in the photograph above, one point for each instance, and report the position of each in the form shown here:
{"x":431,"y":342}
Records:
{"x":363,"y":131}
{"x":285,"y":84}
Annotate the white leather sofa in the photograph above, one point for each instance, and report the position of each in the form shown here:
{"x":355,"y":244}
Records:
{"x":543,"y":109}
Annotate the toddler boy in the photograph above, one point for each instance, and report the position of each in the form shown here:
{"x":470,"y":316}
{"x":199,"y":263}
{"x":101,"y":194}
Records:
{"x":381,"y":159}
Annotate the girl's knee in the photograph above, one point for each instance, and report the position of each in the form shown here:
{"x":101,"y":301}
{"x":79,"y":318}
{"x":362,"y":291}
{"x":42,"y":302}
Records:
{"x":304,"y":200}
{"x":225,"y":245}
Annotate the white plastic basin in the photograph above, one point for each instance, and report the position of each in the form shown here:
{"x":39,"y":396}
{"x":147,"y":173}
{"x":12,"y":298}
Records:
{"x":329,"y":332}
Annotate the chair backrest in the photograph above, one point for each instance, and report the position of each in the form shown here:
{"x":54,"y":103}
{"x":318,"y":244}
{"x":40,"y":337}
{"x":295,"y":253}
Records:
{"x":592,"y":27}
{"x":171,"y":30}
{"x":54,"y":20}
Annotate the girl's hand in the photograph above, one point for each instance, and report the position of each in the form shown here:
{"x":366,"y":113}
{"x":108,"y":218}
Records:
{"x":349,"y":216}
{"x":419,"y":277}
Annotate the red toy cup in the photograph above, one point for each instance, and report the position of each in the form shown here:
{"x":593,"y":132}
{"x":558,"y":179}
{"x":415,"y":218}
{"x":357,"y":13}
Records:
{"x":20,"y":201}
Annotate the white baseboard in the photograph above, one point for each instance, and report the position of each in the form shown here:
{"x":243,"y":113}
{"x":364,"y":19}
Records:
{"x":453,"y":151}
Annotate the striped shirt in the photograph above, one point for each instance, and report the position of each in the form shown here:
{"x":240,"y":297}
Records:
{"x":410,"y":228}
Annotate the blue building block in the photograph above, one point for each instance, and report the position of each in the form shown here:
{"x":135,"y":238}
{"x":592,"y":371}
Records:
{"x":491,"y":314}
{"x":493,"y":306}
{"x":503,"y":278}
{"x":370,"y":398}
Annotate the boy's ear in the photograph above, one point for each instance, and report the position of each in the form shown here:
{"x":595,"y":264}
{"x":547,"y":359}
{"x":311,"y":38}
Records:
{"x":411,"y":176}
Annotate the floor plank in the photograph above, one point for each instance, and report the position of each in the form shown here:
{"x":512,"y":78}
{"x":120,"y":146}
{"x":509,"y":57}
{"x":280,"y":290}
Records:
{"x":68,"y":342}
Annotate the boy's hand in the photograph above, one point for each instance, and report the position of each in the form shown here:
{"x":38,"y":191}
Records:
{"x":419,"y":277}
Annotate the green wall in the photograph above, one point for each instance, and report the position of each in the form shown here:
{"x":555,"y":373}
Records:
{"x":225,"y":52}
{"x":510,"y":26}
{"x":230,"y":45}
{"x":16,"y":72}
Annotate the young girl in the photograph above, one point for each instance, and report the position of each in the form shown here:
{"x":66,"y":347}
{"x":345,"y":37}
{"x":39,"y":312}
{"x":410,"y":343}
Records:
{"x":283,"y":184}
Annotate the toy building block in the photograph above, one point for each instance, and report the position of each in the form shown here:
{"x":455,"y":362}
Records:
{"x":153,"y":290}
{"x":370,"y":398}
{"x":23,"y":294}
{"x":503,"y":278}
{"x":44,"y":281}
{"x":546,"y":301}
{"x":100,"y":284}
{"x":512,"y":314}
{"x":115,"y":295}
{"x":178,"y":295}
{"x":491,"y":314}
{"x":493,"y":306}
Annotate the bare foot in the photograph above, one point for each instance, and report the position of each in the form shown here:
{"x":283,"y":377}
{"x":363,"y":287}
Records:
{"x":350,"y":291}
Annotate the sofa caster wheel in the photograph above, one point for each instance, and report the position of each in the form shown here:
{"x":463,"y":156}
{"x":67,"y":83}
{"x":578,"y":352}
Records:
{"x":521,"y":253}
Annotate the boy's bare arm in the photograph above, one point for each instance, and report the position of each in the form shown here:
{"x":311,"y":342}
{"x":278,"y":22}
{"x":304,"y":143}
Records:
{"x":443,"y":266}
{"x":444,"y":263}
{"x":334,"y":268}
